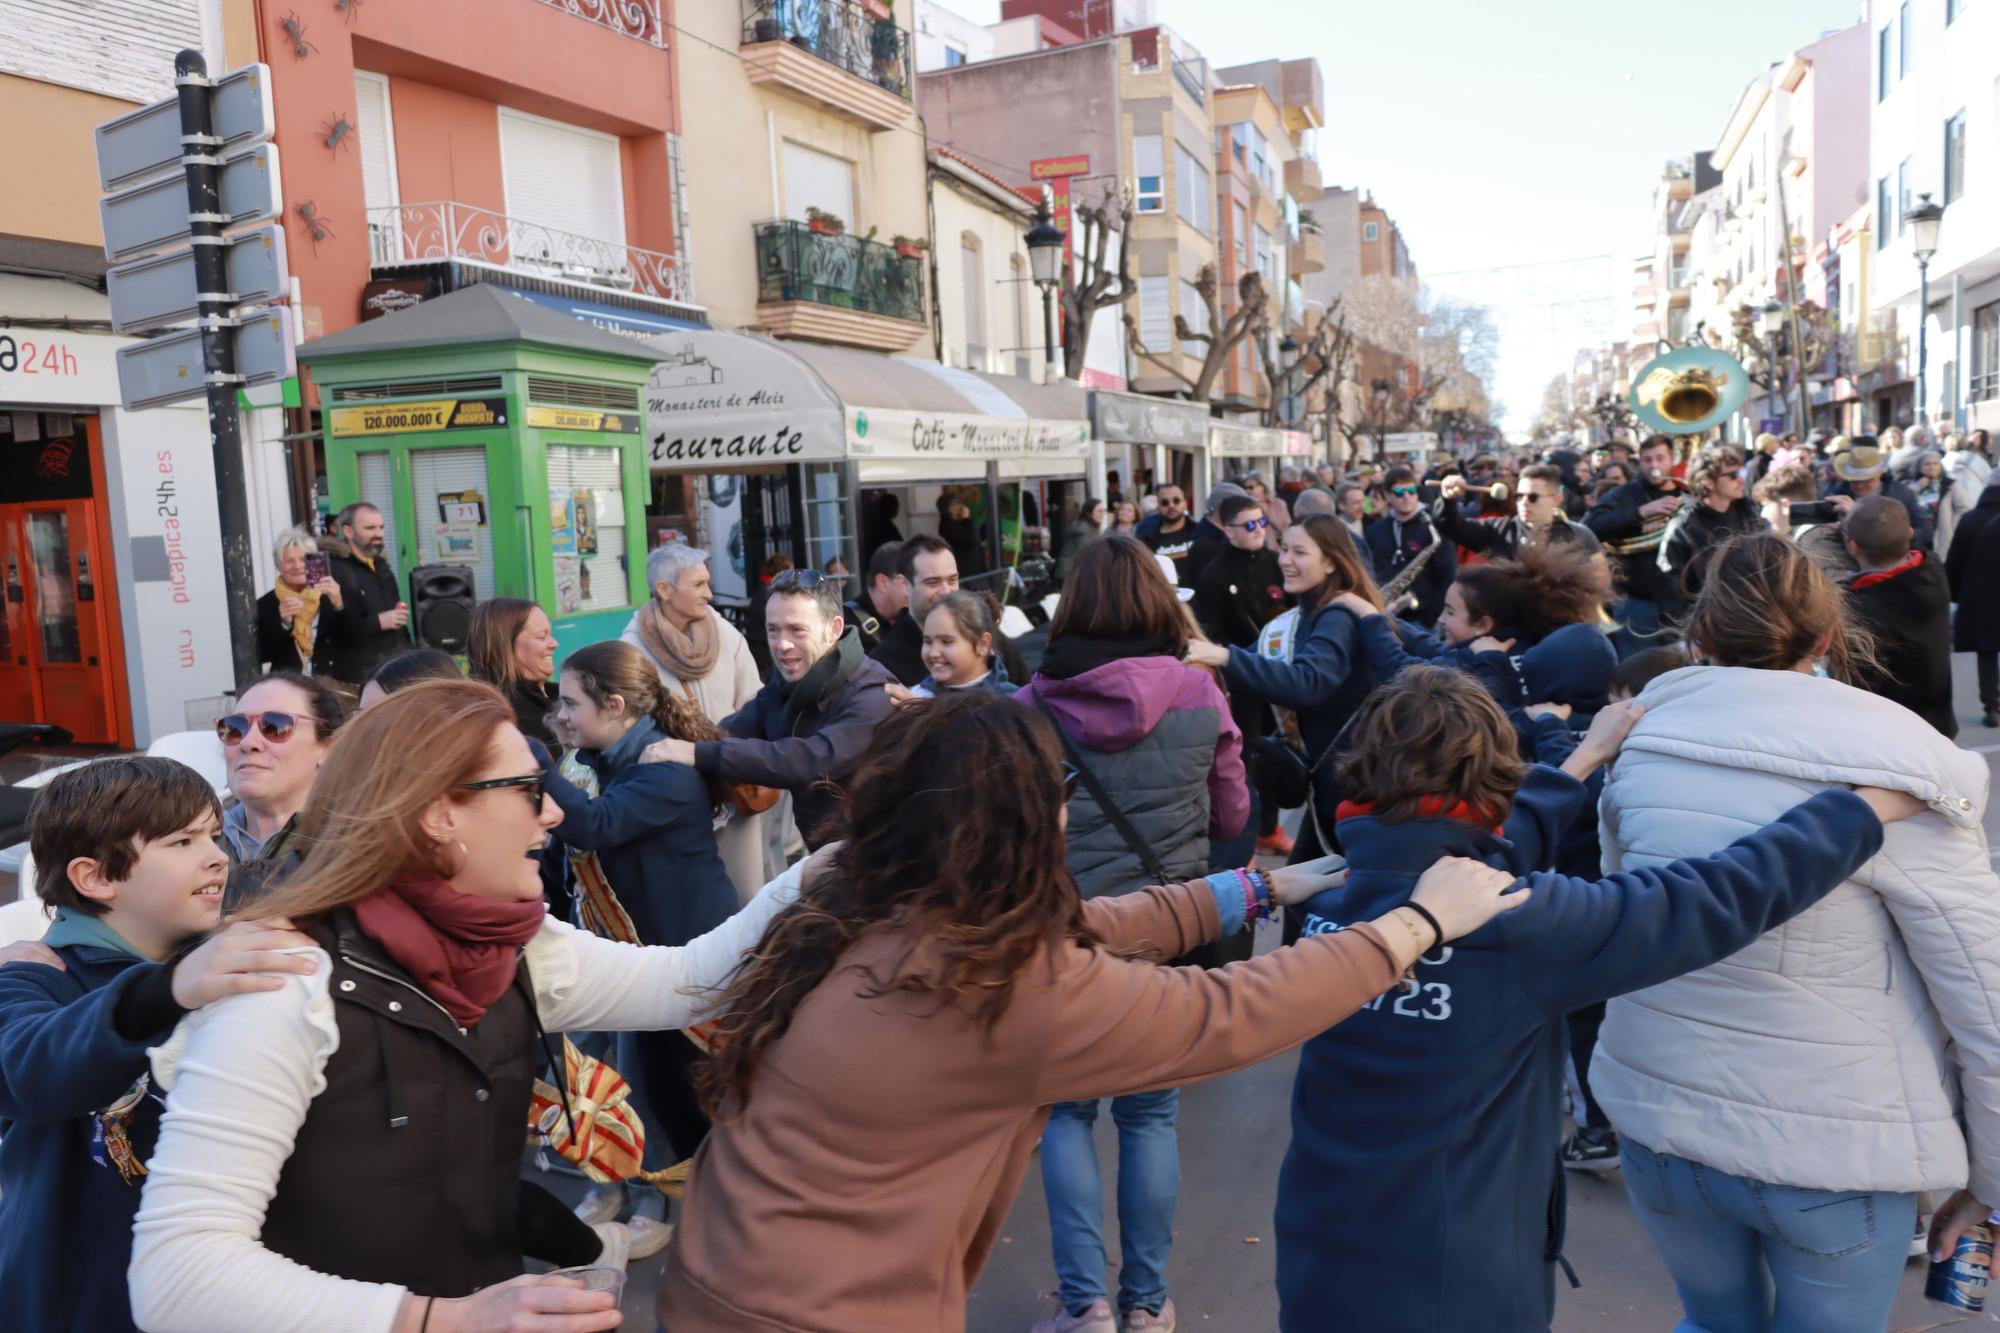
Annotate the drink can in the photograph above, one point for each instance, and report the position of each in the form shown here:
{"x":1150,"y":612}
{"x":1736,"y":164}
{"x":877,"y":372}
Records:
{"x":1959,"y":1280}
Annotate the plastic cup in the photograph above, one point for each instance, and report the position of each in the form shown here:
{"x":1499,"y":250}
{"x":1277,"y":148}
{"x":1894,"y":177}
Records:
{"x":596,"y":1277}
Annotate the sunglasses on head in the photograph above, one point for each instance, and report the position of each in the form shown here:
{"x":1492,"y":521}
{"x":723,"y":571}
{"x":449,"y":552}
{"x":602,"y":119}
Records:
{"x":275,"y":727}
{"x":798,"y":580}
{"x":530,"y":784}
{"x":1402,"y":490}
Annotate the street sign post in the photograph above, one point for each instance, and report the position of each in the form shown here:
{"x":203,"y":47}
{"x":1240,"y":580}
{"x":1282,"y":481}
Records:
{"x":204,"y":276}
{"x":166,"y":370}
{"x":160,"y":290}
{"x":147,"y":142}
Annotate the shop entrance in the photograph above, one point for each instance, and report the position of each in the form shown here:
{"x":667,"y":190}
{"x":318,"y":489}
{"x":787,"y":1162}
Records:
{"x":56,"y":638}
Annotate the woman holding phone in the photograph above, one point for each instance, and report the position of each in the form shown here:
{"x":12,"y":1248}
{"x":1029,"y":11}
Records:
{"x":288,"y":615}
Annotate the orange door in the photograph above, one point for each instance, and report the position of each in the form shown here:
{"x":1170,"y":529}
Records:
{"x":17,"y":670}
{"x":55,"y":668}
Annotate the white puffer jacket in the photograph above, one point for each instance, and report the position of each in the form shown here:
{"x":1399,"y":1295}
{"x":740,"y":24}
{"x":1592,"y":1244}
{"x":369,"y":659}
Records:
{"x":1818,"y":1056}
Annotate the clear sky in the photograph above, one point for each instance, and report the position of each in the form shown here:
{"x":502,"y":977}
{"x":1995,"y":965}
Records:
{"x":1503,"y":133}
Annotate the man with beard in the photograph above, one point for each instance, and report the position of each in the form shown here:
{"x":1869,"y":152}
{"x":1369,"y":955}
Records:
{"x":1631,"y":521}
{"x":370,"y":623}
{"x":926,"y":571}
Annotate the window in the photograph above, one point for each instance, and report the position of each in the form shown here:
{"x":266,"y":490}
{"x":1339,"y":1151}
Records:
{"x":565,"y":177}
{"x":1903,"y":41}
{"x":1986,"y":353}
{"x":587,"y":498}
{"x":818,"y":180}
{"x":1017,"y":292}
{"x":1265,"y":264}
{"x":1192,"y":194}
{"x":1954,"y":157}
{"x":1371,"y":231}
{"x":1240,"y":228}
{"x":1195,"y":311}
{"x":953,"y":57}
{"x":973,"y":273}
{"x":1151,"y":194}
{"x":1239,"y":142}
{"x":1156,"y":316}
{"x":1885,"y":221}
{"x":1903,"y":195}
{"x":1885,"y":73}
{"x":376,"y":135}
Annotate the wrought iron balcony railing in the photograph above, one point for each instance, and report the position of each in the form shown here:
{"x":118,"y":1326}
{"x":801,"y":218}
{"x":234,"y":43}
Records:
{"x":423,"y":233}
{"x":796,"y":263}
{"x":865,"y":43}
{"x":629,"y":18}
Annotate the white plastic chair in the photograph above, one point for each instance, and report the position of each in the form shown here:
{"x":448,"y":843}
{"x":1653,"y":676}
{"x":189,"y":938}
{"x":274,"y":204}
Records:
{"x":200,"y":751}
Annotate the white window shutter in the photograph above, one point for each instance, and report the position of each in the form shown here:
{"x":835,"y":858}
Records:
{"x":562,"y":176}
{"x":375,"y":139}
{"x":1156,"y":317}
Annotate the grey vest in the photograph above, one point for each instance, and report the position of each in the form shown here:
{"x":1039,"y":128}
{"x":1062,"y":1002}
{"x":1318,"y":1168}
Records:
{"x":1161,"y":784}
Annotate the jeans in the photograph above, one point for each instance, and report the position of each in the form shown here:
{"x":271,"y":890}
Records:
{"x":1638,"y":626}
{"x":1149,"y":1187}
{"x":1752,"y":1257}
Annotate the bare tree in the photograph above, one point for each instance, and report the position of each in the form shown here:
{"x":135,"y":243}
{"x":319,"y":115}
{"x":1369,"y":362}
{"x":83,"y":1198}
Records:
{"x":1251,"y":318}
{"x":1326,"y":360}
{"x":1106,"y":280}
{"x":1445,"y":350}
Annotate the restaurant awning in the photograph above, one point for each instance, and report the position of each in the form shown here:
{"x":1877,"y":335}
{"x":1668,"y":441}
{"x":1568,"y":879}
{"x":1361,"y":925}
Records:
{"x":720,"y":400}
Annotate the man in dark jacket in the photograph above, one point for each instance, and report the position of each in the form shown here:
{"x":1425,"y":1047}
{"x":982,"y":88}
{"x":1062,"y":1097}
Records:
{"x":883,"y":596}
{"x":1973,"y":568}
{"x":1404,"y":534}
{"x":1717,"y":510}
{"x":1903,"y":597}
{"x":371,"y":624}
{"x":1859,"y":471}
{"x":808,"y":727}
{"x":1538,"y":516}
{"x":1209,"y":538}
{"x":1170,"y":532}
{"x":1631,"y":521}
{"x":927,"y":569}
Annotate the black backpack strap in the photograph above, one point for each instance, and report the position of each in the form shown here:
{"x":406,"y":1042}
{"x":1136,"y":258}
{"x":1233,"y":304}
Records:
{"x":1140,"y":847}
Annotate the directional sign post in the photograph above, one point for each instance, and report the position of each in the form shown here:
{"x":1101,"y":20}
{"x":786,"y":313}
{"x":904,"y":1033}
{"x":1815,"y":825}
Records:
{"x":215,"y":131}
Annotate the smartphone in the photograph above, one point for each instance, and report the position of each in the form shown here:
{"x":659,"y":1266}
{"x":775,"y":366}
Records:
{"x":317,"y":567}
{"x":1813,"y":511}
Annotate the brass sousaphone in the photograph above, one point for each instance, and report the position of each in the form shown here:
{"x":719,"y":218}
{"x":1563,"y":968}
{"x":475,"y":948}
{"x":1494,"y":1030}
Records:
{"x":1689,"y":390}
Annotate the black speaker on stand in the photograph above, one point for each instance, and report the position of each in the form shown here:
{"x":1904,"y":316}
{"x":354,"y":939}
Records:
{"x":441,"y":601}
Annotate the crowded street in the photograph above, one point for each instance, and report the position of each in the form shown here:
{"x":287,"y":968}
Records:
{"x":999,"y":666}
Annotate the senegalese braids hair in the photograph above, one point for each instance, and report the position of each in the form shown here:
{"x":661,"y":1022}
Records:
{"x":970,"y":869}
{"x":615,"y":669}
{"x":1432,"y":734}
{"x":1766,"y":604}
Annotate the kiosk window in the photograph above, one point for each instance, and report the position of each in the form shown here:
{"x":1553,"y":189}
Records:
{"x":587,"y":528}
{"x":449,"y":533}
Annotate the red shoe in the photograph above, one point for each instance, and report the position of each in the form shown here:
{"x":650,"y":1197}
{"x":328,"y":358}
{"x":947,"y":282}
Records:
{"x":1279,"y":843}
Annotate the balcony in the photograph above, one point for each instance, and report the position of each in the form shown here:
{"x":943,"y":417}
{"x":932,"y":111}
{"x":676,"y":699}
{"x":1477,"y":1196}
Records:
{"x":850,"y":58}
{"x":447,"y":231}
{"x":1309,"y":252}
{"x":1302,"y":180}
{"x":638,"y":19}
{"x":832,"y":287}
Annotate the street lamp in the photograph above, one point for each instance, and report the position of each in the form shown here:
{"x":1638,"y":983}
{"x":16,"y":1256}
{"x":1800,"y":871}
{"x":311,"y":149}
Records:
{"x":1771,"y":323}
{"x":1381,"y":389}
{"x":1923,"y":223}
{"x":1045,"y":247}
{"x":1287,"y":410}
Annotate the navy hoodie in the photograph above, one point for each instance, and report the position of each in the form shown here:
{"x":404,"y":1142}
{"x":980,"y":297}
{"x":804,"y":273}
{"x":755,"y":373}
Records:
{"x":654,"y":833}
{"x":1324,"y":683}
{"x":1421,"y":1191}
{"x":65,"y":1221}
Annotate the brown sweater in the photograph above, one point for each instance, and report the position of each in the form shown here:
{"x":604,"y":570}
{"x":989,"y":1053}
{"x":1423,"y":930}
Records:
{"x":884,"y":1141}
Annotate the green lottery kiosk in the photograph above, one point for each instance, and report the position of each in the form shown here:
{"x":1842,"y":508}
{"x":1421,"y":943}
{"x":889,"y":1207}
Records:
{"x":497,"y":434}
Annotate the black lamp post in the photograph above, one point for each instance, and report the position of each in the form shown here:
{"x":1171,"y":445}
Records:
{"x":1381,"y":389}
{"x":1287,"y":411}
{"x":1045,"y":247}
{"x":1771,"y":324}
{"x":1923,"y":221}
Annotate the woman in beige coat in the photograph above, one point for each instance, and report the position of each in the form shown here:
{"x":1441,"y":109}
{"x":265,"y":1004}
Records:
{"x":706,"y":658}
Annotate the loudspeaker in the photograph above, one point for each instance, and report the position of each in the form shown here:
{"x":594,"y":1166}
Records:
{"x":441,"y":601}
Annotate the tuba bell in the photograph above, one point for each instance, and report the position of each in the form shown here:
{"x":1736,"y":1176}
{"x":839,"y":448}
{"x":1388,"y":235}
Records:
{"x":1689,"y":391}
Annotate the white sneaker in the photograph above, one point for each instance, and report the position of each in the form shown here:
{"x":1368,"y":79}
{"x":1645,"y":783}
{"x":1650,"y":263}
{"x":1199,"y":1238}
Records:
{"x":602,"y":1204}
{"x":649,"y":1235}
{"x":617,"y":1244}
{"x":1920,"y":1244}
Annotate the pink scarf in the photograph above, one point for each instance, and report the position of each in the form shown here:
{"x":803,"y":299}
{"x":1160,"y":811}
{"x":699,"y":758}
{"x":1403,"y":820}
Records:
{"x":462,"y":950}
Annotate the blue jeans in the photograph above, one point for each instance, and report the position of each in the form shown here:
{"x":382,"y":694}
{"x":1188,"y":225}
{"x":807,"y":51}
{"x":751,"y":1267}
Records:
{"x":1638,"y":626}
{"x":1149,"y":1187}
{"x":1752,"y":1257}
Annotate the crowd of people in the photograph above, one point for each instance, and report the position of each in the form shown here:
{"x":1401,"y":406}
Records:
{"x":1605,"y":802}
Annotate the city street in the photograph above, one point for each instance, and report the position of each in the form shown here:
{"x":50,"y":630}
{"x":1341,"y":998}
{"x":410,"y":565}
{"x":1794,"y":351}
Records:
{"x":1233,"y":1135}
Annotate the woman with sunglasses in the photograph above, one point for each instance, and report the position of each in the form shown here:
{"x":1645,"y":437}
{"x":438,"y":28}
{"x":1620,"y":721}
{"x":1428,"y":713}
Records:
{"x":272,"y":749}
{"x":345,"y":1153}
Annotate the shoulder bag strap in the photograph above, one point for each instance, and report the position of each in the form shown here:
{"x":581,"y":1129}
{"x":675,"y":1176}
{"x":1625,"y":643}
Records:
{"x":1148,"y":860}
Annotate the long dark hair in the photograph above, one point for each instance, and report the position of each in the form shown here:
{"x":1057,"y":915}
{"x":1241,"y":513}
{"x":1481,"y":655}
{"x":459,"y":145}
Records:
{"x":1115,"y":590}
{"x":973,"y":869}
{"x":489,"y":641}
{"x":1350,"y":571}
{"x":616,"y":668}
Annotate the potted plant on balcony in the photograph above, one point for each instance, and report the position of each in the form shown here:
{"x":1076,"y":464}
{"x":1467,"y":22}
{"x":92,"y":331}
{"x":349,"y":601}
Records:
{"x":908,"y":247}
{"x":885,"y":48}
{"x":1308,"y":222}
{"x":823,"y":223}
{"x":879,"y":10}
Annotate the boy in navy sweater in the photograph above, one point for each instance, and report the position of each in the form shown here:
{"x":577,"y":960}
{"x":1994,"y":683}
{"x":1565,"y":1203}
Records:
{"x":1421,"y":1193}
{"x":128,"y":853}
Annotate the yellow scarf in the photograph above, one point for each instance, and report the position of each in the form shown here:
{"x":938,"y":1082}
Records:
{"x":302,"y":623}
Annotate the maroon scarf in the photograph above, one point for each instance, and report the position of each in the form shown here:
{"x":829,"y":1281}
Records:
{"x":463,"y":950}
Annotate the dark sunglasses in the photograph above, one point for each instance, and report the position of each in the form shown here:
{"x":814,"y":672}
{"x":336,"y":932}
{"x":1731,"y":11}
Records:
{"x":1251,"y":525}
{"x":275,"y":727}
{"x":1402,"y":490}
{"x":531,"y":785}
{"x":1071,"y":777}
{"x":799,"y":580}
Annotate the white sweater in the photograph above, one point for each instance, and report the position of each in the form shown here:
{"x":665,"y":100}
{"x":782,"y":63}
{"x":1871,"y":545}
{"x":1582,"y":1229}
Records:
{"x":241,"y":1075}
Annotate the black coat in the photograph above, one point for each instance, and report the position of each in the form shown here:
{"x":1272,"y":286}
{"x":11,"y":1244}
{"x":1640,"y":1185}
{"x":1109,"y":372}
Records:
{"x":1973,"y":568}
{"x":1236,"y":596}
{"x":1617,"y":521}
{"x":352,"y":638}
{"x":533,"y":701}
{"x":1695,"y":530}
{"x":1921,"y":531}
{"x":1392,"y":545}
{"x":275,"y":646}
{"x":1910,"y":614}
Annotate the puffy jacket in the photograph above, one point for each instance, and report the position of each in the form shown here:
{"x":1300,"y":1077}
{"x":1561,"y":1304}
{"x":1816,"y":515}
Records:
{"x":1157,"y":734}
{"x":1816,"y":1057}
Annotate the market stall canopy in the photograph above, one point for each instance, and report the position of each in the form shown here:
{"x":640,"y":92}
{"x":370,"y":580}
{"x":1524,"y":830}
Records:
{"x":719,"y":400}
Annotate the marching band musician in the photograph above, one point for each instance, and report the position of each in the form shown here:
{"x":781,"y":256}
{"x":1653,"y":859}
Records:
{"x":1631,"y":522}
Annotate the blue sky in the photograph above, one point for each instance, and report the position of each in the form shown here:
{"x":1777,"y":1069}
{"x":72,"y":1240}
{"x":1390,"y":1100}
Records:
{"x":1508,"y":133}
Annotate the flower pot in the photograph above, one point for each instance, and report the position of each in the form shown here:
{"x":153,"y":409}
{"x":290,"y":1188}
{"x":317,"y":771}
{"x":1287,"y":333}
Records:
{"x":803,"y":42}
{"x":875,"y":9}
{"x":818,"y":228}
{"x":767,"y":30}
{"x":909,"y":252}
